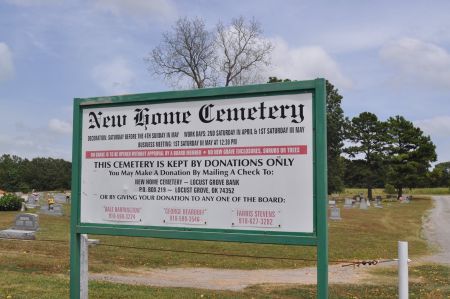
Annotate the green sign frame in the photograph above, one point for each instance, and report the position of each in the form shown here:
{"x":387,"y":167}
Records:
{"x":319,"y":236}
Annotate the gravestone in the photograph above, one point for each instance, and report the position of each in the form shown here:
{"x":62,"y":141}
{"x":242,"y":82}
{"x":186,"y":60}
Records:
{"x":25,"y":227}
{"x":26,"y":221}
{"x":335,"y":214}
{"x":378,"y":202}
{"x":57,"y":210}
{"x":32,"y":201}
{"x":363,"y":204}
{"x":60,"y":198}
{"x":348,"y":204}
{"x":332,"y":203}
{"x":404,"y":199}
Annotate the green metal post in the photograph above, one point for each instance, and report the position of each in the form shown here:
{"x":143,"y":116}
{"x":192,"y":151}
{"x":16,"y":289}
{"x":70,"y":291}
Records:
{"x":75,"y":204}
{"x":322,"y":190}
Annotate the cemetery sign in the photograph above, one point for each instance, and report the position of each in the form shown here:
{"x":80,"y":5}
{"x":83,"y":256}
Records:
{"x":244,"y":164}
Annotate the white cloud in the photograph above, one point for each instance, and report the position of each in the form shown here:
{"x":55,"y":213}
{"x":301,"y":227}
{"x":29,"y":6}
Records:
{"x":438,"y":126}
{"x":59,"y":126}
{"x":418,"y":60}
{"x":159,"y":9}
{"x":6,"y":62}
{"x":114,"y":77}
{"x":31,"y":145}
{"x":356,"y":38}
{"x":305,"y":63}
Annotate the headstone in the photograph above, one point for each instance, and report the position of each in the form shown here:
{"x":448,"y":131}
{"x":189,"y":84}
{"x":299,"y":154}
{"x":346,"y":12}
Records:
{"x":332,"y":203}
{"x":26,"y":221}
{"x":335,"y":214}
{"x":348,"y":204}
{"x":60,"y":198}
{"x":363,"y":204}
{"x":32,"y":201}
{"x":404,"y":199}
{"x":56,"y":210}
{"x":25,"y":227}
{"x":378,"y":202}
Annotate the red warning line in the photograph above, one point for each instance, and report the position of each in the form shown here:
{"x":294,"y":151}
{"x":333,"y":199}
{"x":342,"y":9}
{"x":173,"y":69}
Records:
{"x":200,"y":152}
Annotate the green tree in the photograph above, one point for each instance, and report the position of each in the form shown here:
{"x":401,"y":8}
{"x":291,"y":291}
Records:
{"x":335,"y":136}
{"x":368,"y":141}
{"x":17,"y":174}
{"x":10,"y":173}
{"x":356,"y":172}
{"x":440,"y":175}
{"x":410,"y":154}
{"x":335,"y":139}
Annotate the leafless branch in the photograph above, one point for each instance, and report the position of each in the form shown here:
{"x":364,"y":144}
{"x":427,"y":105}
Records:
{"x":242,"y":51}
{"x":187,"y":51}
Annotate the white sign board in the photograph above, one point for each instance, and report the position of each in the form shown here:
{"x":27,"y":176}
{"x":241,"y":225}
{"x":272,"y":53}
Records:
{"x":243,"y":163}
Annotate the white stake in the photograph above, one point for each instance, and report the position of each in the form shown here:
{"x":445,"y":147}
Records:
{"x":402,"y":270}
{"x":84,"y":266}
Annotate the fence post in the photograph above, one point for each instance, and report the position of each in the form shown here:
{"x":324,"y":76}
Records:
{"x":84,"y":273}
{"x":402,"y":270}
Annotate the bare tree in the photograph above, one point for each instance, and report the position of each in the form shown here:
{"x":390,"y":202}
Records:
{"x":242,"y":51}
{"x":187,"y":51}
{"x":231,"y":55}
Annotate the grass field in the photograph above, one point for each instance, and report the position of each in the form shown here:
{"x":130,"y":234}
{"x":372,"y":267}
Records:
{"x":43,"y":266}
{"x":380,"y":191}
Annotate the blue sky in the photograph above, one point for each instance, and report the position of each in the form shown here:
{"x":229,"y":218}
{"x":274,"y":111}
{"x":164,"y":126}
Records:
{"x":386,"y":57}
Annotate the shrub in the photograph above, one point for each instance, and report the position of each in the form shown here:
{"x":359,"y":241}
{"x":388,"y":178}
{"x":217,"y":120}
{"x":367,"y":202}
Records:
{"x":10,"y":202}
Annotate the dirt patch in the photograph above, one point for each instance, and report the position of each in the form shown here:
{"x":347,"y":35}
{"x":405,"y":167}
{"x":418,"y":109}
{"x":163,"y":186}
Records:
{"x":436,"y":229}
{"x":222,"y":279}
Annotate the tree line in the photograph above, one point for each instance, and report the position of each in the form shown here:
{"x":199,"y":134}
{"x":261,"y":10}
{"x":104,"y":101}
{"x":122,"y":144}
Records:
{"x":18,"y":174}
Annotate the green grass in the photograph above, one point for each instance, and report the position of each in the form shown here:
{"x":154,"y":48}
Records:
{"x":429,"y":191}
{"x":379,"y":191}
{"x":433,"y":283}
{"x":44,"y":266}
{"x":373,"y":233}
